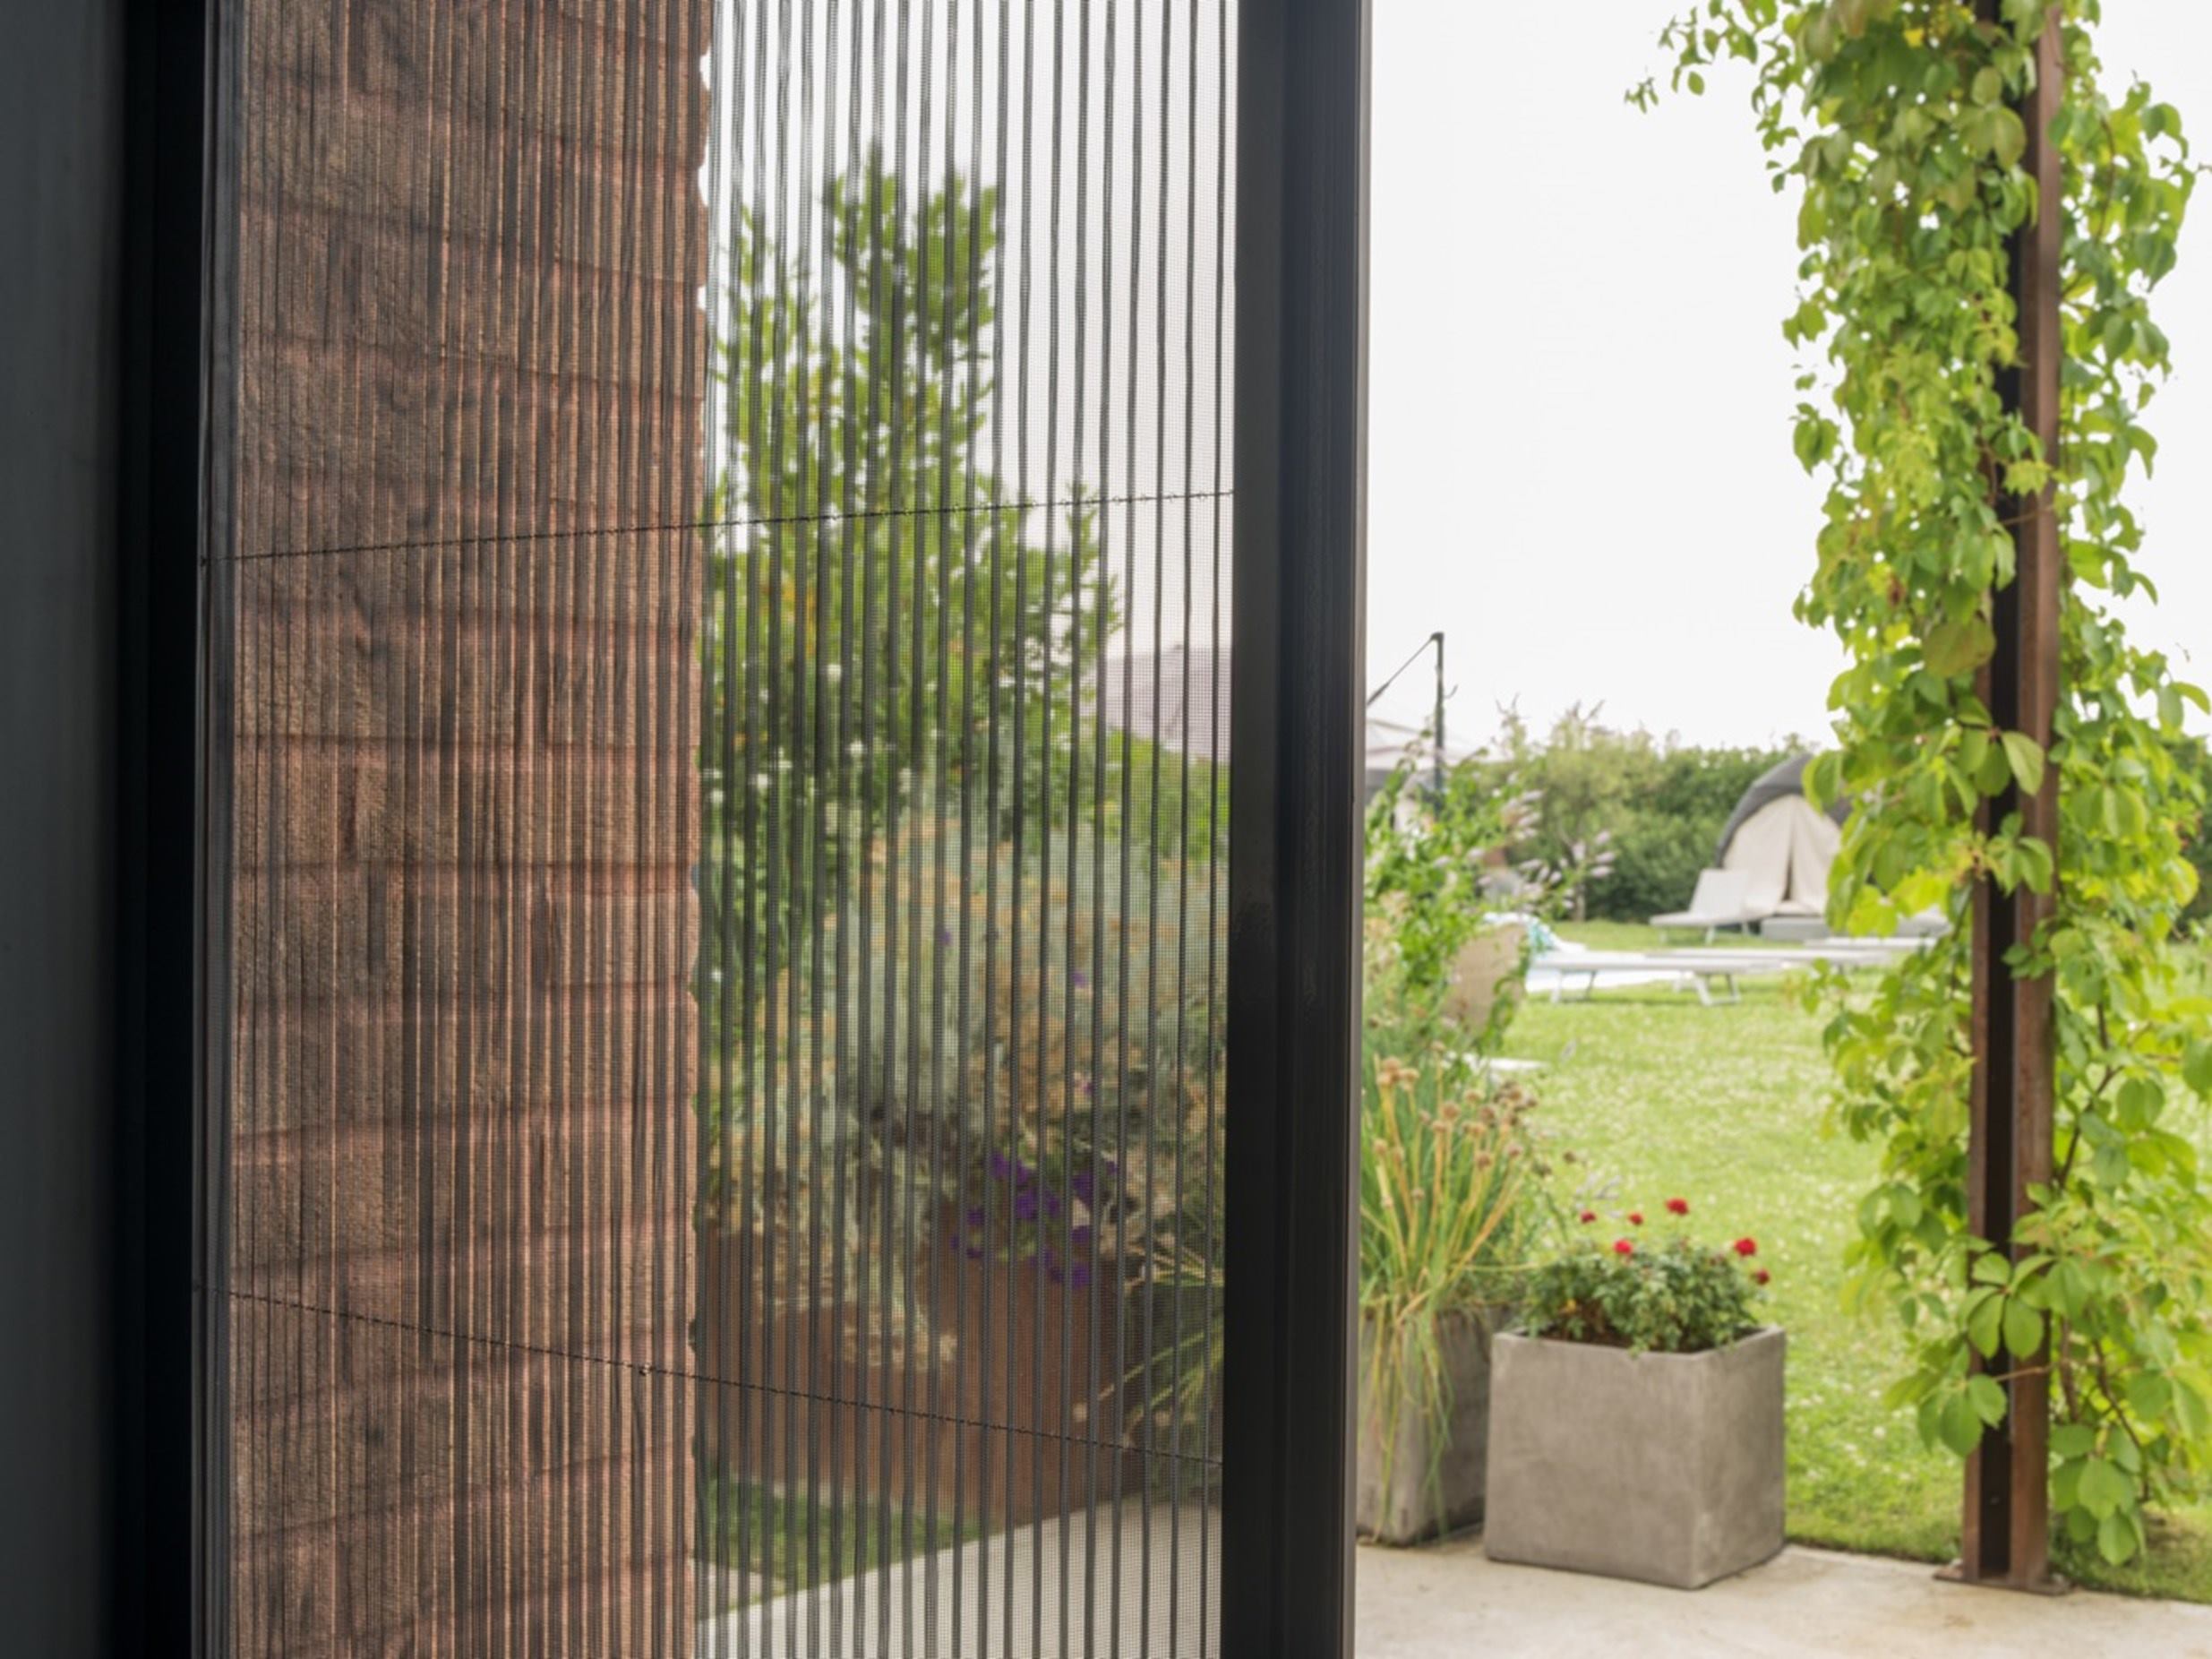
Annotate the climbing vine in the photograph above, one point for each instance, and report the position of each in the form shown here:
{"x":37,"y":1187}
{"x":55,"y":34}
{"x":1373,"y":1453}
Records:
{"x":1898,"y":122}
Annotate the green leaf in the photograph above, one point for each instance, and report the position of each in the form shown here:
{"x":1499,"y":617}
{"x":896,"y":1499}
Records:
{"x":2023,"y":1330}
{"x":1985,"y":1324}
{"x":2197,"y":1066}
{"x":1987,"y":1396}
{"x":2024,"y":755}
{"x":2104,"y":1490}
{"x":2073,"y":1440}
{"x":2116,"y":1539}
{"x":1957,"y":647}
{"x":1961,"y":1425}
{"x":2151,"y":1396}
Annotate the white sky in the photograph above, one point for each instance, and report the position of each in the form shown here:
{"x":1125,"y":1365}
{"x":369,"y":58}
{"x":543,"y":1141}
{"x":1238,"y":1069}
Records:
{"x":1579,"y":397}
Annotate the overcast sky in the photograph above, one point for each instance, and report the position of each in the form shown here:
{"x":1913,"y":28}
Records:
{"x":1580,"y":399}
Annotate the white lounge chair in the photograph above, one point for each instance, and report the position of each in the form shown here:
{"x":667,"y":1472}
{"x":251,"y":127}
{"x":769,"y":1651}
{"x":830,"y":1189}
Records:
{"x":1722,"y":899}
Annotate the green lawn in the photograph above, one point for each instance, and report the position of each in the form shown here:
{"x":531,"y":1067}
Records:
{"x":1659,"y":1097}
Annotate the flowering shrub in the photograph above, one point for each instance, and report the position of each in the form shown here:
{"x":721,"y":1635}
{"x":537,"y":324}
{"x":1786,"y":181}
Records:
{"x":1671,"y":1295}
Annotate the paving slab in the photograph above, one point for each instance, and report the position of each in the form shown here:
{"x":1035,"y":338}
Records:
{"x":1451,"y":1602}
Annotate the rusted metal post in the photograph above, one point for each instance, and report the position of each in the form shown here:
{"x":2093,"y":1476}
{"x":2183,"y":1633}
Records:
{"x":2006,"y":1534}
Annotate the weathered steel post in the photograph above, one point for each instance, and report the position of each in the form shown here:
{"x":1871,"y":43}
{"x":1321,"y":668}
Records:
{"x":2006,"y":1534}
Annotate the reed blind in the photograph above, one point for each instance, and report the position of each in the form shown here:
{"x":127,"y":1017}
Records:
{"x":723,"y":528}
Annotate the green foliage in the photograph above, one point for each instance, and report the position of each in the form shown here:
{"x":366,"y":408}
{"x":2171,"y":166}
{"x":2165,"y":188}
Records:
{"x":1427,"y":868}
{"x":1655,"y":806}
{"x":1451,"y":1201}
{"x":1088,"y":1052}
{"x":1895,"y":119}
{"x":883,"y":637}
{"x":1669,"y":835}
{"x":901,"y":752}
{"x":1675,"y":1296}
{"x":2194,"y":756}
{"x":1437,"y":862}
{"x":1588,"y":778}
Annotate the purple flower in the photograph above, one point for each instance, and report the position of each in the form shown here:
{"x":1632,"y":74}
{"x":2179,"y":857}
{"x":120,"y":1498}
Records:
{"x":1004,"y":1168}
{"x":975,"y":1219}
{"x":1083,"y":1186}
{"x":975,"y":1252}
{"x":1051,"y":1203}
{"x":1080,"y":1236}
{"x":1083,"y":980}
{"x":944,"y":935}
{"x":1082,"y":1277}
{"x":1025,"y":1204}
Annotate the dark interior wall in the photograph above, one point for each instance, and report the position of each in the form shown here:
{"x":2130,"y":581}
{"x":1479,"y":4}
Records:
{"x":60,"y":173}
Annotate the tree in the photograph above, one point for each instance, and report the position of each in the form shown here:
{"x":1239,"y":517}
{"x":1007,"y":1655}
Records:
{"x":885,"y":633}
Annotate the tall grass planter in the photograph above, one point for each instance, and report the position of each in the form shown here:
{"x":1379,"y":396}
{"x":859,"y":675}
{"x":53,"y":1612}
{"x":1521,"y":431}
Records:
{"x":1425,"y":1475}
{"x":1450,"y":1196}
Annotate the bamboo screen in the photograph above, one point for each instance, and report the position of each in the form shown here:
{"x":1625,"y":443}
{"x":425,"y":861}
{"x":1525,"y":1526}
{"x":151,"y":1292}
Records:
{"x":722,"y":539}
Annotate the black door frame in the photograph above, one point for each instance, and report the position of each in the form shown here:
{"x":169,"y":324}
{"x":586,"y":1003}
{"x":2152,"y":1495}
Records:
{"x":167,"y":1536}
{"x":1298,"y":673}
{"x":1297,"y":718}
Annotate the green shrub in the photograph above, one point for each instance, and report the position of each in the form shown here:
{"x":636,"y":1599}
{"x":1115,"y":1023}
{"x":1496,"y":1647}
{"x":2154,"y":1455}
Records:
{"x":1655,"y":804}
{"x":1671,"y":832}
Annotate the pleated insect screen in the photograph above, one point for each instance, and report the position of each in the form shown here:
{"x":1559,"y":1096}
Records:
{"x":725,"y":590}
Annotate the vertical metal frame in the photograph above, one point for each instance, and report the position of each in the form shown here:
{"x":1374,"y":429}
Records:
{"x":1296,"y":696}
{"x":169,"y":1534}
{"x":2005,"y":1531}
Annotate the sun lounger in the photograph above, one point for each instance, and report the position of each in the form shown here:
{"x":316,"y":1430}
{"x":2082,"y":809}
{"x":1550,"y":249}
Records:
{"x":1722,"y":899}
{"x":1699,"y":969}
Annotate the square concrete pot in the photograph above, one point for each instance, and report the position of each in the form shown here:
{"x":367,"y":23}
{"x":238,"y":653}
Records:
{"x":1397,"y":1501}
{"x":1664,"y":1467}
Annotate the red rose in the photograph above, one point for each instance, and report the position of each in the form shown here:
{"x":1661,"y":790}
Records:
{"x":1746,"y":1247}
{"x":1622,"y":1247}
{"x":1588,"y":1215}
{"x":1761,"y":1276}
{"x":1677,"y":1207}
{"x":1635,"y":1217}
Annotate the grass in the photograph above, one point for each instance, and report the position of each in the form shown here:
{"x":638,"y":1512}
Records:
{"x":1659,"y":1097}
{"x":779,"y":1541}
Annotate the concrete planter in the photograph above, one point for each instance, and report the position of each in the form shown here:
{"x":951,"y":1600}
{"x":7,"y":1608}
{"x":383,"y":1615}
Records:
{"x":1397,"y":1504}
{"x":1665,"y":1468}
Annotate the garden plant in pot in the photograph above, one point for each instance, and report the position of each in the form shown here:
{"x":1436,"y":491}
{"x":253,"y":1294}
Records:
{"x":1636,"y":1414}
{"x":1450,"y":1196}
{"x":1451,"y":1183}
